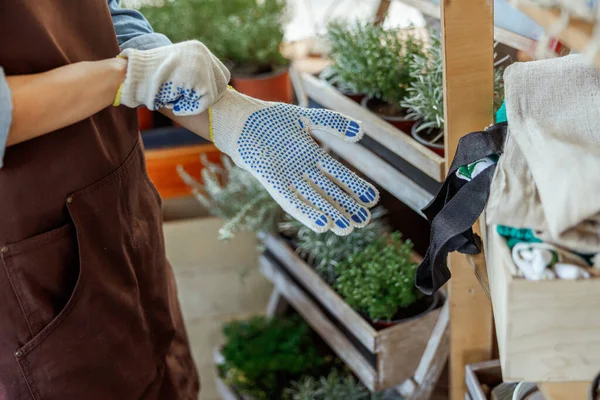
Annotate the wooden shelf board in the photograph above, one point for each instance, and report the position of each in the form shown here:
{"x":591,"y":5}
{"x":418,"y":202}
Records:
{"x":394,"y":139}
{"x":565,"y":391}
{"x":386,"y":176}
{"x":576,"y":36}
{"x":503,"y":36}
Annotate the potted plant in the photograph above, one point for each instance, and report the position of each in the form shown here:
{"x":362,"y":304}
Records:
{"x":324,"y":251}
{"x":263,"y":356}
{"x":425,"y":98}
{"x":334,"y":386}
{"x":245,"y":34}
{"x":251,"y":39}
{"x":379,"y":282}
{"x":374,"y":61}
{"x":234,"y":195}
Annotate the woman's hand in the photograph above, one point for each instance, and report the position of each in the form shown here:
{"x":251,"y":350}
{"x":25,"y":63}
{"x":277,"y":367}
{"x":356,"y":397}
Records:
{"x":272,"y":141}
{"x":185,"y":77}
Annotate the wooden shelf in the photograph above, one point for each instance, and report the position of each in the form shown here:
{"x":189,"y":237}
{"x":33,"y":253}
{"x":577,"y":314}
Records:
{"x":394,"y":139}
{"x":576,"y":36}
{"x":503,"y":36}
{"x":381,"y":359}
{"x":225,"y":391}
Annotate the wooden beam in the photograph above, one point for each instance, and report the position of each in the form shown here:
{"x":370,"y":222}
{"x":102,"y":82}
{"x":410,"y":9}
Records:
{"x":565,"y":390}
{"x":382,"y":11}
{"x":468,"y":40}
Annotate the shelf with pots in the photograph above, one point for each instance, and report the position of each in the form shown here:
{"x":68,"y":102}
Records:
{"x":501,"y":35}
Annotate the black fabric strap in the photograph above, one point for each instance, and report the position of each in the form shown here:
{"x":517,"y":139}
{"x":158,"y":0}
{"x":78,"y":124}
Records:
{"x":457,"y":206}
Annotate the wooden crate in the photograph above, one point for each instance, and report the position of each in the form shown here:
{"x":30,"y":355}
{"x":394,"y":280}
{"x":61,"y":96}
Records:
{"x":486,"y":373}
{"x":547,"y":330}
{"x":381,"y":359}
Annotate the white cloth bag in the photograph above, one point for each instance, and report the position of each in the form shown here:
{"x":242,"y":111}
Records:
{"x":548,"y":178}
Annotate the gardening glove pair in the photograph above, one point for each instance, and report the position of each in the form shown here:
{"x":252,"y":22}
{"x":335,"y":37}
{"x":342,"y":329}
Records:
{"x":272,"y":141}
{"x":185,"y":77}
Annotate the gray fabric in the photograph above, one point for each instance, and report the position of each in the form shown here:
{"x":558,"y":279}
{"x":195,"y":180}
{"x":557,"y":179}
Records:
{"x":133,"y":32}
{"x":5,"y":113}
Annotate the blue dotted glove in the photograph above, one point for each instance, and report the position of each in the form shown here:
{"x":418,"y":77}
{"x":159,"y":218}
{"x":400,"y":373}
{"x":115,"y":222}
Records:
{"x":272,"y":141}
{"x":185,"y":77}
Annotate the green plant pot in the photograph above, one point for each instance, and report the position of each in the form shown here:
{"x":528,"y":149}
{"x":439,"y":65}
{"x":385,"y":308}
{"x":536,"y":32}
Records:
{"x":424,"y":138}
{"x":393,"y":115}
{"x":416,"y":310}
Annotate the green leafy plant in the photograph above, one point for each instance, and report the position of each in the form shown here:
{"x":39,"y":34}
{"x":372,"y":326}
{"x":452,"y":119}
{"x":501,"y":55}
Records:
{"x":371,"y":60}
{"x":263,"y":356}
{"x":326,"y":250}
{"x":247,"y":33}
{"x":335,"y":386}
{"x":425,"y":98}
{"x":379,"y":279}
{"x":251,"y":37}
{"x":233,"y":194}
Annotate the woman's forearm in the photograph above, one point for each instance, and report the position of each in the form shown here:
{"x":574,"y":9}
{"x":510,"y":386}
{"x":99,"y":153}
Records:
{"x":199,"y":124}
{"x":51,"y":100}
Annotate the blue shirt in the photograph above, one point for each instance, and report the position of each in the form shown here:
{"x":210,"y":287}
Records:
{"x":133,"y":31}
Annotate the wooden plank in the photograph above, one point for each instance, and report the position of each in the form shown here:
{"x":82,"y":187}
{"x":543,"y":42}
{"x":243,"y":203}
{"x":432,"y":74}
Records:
{"x":319,"y":322}
{"x":225,"y":392}
{"x":468,"y":42}
{"x":382,"y":10}
{"x":401,"y":348}
{"x":576,"y":36}
{"x":474,"y":385}
{"x":277,"y":304}
{"x":503,"y":36}
{"x":394,"y":139}
{"x":434,"y":358}
{"x":547,"y":330}
{"x":565,"y":391}
{"x":386,"y":176}
{"x":307,"y":276}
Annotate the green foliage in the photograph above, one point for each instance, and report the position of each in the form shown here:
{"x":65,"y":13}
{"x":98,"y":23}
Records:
{"x":425,"y":99}
{"x":246,"y":32}
{"x":379,"y":279}
{"x":372,"y":60}
{"x":334,"y":386}
{"x":233,"y":194}
{"x":263,"y":356}
{"x":326,"y":250}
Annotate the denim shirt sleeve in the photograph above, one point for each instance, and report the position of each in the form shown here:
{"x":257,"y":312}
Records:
{"x":5,"y":113}
{"x":133,"y":30}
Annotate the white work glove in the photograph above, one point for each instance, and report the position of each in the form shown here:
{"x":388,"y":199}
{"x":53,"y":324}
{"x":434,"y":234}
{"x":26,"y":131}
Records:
{"x":272,"y":141}
{"x":185,"y":77}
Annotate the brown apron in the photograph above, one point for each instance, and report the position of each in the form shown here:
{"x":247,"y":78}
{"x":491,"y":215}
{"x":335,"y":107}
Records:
{"x":88,"y":304}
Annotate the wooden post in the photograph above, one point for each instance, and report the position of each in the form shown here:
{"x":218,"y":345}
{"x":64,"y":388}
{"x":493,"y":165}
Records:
{"x":468,"y":38}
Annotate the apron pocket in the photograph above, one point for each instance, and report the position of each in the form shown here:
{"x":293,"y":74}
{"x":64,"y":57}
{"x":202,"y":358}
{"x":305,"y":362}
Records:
{"x":43,"y":271}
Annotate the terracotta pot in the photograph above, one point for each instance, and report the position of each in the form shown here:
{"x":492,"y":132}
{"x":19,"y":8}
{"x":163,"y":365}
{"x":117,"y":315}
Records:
{"x":272,"y":86}
{"x":393,"y":115}
{"x":422,"y":137}
{"x":415,"y":310}
{"x":144,"y":118}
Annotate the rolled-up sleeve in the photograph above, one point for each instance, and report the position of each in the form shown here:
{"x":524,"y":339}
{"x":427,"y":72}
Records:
{"x":5,"y":113}
{"x":133,"y":30}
